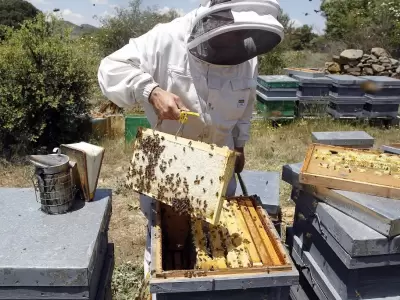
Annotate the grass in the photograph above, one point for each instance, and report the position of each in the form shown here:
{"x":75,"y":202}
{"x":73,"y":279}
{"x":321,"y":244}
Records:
{"x":268,"y":149}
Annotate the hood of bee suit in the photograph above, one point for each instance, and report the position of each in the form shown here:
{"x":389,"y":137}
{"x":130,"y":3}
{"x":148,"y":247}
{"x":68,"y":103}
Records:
{"x":230,"y":32}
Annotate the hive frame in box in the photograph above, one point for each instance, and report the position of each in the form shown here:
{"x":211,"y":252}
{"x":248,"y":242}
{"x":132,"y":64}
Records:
{"x":355,"y":181}
{"x":231,"y":278}
{"x":175,"y":175}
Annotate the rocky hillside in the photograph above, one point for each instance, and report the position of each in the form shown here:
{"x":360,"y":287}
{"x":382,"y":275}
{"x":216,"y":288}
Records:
{"x":80,"y":30}
{"x":356,"y":62}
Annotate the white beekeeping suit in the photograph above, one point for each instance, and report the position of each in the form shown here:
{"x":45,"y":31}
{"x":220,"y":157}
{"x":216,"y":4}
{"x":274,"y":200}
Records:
{"x":208,"y":58}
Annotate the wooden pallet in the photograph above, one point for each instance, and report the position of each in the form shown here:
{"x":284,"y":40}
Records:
{"x":244,"y":242}
{"x":363,"y":171}
{"x":191,"y":176}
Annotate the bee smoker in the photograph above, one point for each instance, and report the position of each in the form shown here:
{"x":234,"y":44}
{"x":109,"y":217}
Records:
{"x":53,"y":182}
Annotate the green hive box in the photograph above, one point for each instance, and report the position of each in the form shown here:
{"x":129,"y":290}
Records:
{"x":276,"y":109}
{"x":277,"y":81}
{"x":132,"y":123}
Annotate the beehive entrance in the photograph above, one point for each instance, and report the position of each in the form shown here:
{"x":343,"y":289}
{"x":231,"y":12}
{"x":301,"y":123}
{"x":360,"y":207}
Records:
{"x":245,"y":241}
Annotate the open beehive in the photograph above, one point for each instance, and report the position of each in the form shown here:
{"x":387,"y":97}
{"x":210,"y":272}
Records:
{"x":243,"y":242}
{"x":190,"y":176}
{"x":364,"y":171}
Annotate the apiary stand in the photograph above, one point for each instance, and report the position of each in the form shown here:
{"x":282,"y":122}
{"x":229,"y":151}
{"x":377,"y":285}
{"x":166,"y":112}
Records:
{"x":272,"y":284}
{"x":54,"y":256}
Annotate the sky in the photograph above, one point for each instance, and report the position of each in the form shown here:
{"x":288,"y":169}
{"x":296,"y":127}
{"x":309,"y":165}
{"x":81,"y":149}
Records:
{"x":83,"y":11}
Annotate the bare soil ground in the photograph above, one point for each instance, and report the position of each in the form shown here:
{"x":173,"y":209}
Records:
{"x":269,"y":149}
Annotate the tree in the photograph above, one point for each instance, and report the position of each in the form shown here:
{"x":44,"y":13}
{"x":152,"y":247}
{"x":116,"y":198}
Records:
{"x":300,"y":38}
{"x":14,"y":12}
{"x":363,"y":23}
{"x":46,"y":78}
{"x":129,"y":23}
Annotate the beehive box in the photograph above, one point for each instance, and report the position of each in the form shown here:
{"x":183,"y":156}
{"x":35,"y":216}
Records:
{"x":190,"y":176}
{"x":363,"y":171}
{"x":243,"y":251}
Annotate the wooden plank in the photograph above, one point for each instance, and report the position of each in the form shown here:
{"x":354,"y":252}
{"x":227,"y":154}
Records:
{"x":363,"y":171}
{"x":158,"y":240}
{"x":280,"y":250}
{"x":166,"y":168}
{"x":225,"y":272}
{"x":262,"y":251}
{"x":247,"y":238}
{"x":233,"y":238}
{"x":264,"y":237}
{"x":232,"y":256}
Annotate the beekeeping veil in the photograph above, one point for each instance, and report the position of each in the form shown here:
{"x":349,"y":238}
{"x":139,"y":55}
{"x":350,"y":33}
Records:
{"x":230,"y":32}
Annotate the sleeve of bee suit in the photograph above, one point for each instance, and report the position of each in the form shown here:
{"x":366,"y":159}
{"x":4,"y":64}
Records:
{"x":125,"y":76}
{"x":241,"y":131}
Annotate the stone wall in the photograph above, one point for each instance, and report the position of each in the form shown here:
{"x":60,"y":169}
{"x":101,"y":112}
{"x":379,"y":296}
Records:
{"x":357,"y":63}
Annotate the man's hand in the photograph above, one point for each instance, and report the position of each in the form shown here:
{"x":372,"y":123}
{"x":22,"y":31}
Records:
{"x":166,"y":105}
{"x":240,"y":160}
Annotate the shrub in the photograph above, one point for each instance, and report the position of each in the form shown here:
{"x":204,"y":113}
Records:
{"x":45,"y":81}
{"x":272,"y":62}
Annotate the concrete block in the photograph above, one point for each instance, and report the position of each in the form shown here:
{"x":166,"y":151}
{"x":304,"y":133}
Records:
{"x":53,"y":256}
{"x":263,"y":184}
{"x":354,"y":237}
{"x":378,"y":282}
{"x":378,"y":213}
{"x":344,"y":138}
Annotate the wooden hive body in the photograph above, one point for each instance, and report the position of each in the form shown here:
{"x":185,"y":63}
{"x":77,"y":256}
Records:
{"x":362,"y":171}
{"x":190,"y":176}
{"x":244,"y":243}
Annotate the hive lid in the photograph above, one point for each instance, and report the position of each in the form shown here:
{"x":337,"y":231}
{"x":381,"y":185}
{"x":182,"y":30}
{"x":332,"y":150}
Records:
{"x":345,"y":79}
{"x":313,"y":80}
{"x":387,"y":82}
{"x":45,"y":250}
{"x":263,"y":98}
{"x":277,"y":81}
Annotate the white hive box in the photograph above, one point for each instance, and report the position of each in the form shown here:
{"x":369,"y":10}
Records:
{"x":190,"y":176}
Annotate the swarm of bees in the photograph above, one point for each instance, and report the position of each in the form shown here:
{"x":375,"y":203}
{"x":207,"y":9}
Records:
{"x":380,"y":164}
{"x":150,"y":161}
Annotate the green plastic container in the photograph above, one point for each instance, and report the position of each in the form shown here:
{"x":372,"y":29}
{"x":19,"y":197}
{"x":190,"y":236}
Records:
{"x":276,"y":109}
{"x":277,"y":81}
{"x":132,"y":123}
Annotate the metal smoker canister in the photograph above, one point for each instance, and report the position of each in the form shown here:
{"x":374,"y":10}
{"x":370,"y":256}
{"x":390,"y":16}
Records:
{"x":53,"y":182}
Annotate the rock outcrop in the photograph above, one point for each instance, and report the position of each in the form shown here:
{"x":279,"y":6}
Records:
{"x":356,"y":62}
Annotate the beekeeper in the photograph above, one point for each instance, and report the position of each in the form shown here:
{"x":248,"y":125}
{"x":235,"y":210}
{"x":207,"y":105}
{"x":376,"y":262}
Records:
{"x":205,"y":62}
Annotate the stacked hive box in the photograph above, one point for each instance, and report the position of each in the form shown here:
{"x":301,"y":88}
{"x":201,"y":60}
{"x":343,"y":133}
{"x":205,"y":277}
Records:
{"x":313,"y":95}
{"x":241,"y":257}
{"x":346,"y":244}
{"x":341,"y":256}
{"x":276,"y":96}
{"x":383,"y":100}
{"x":346,"y":97}
{"x":54,"y":256}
